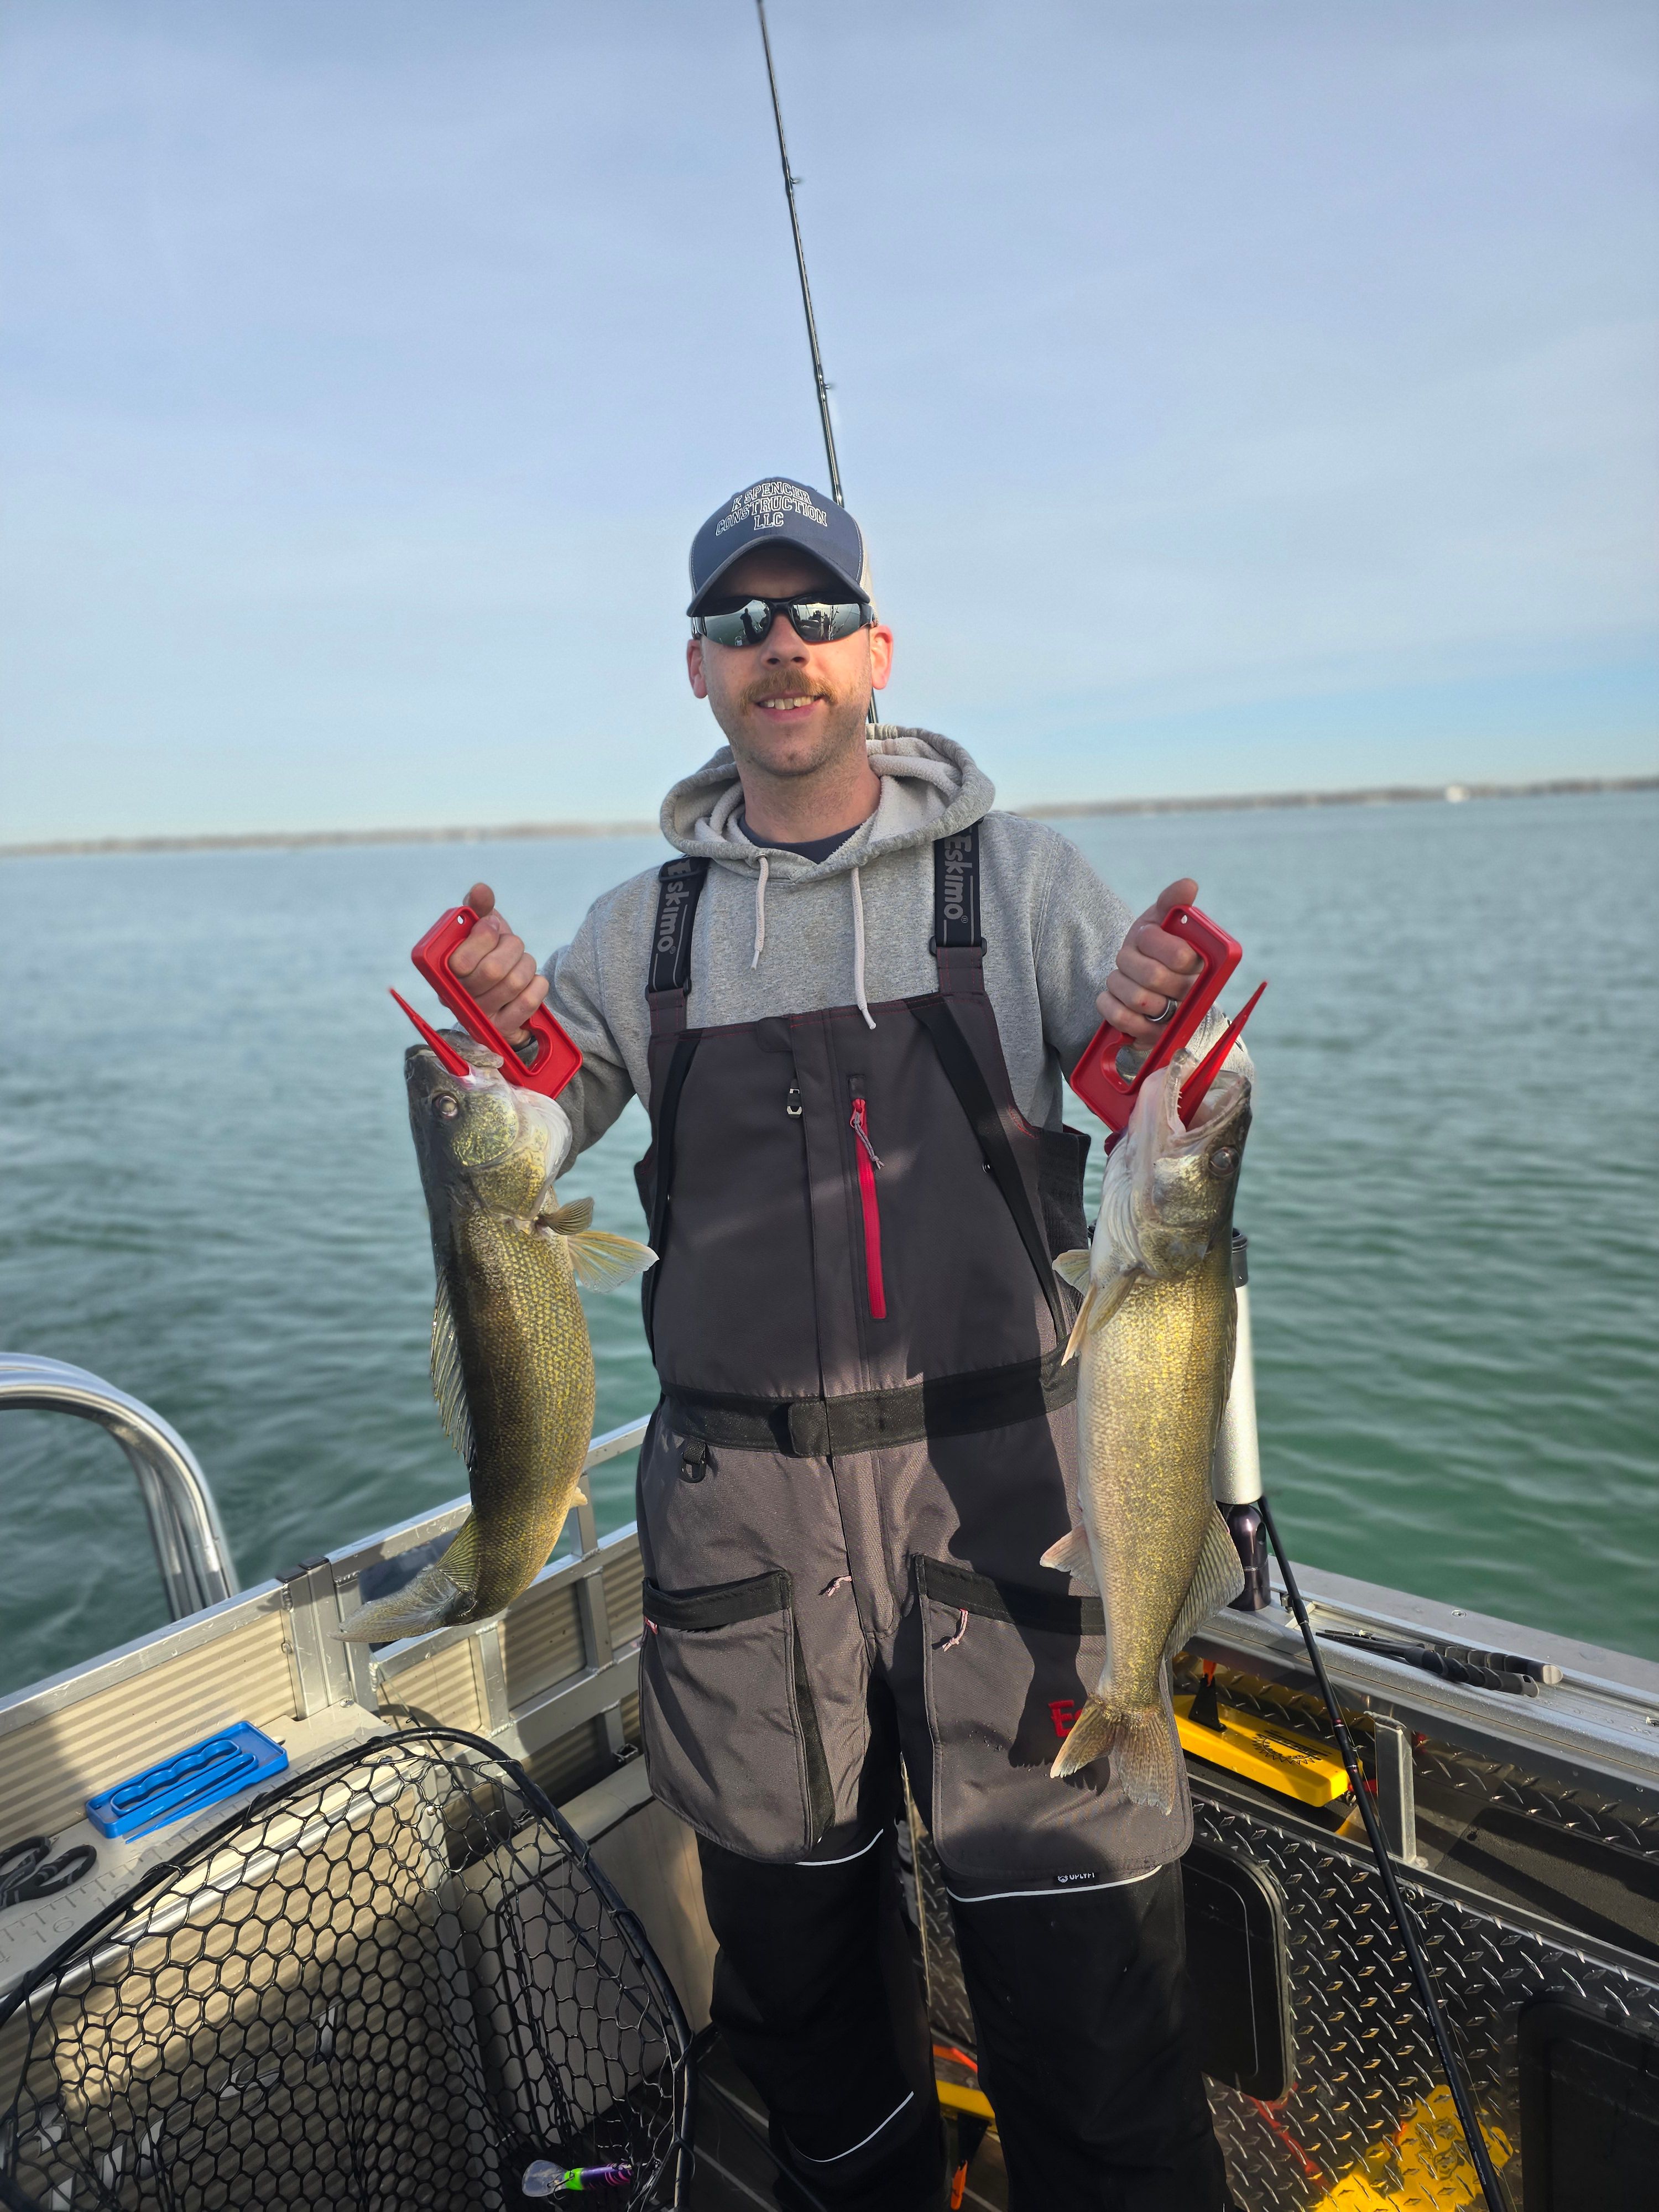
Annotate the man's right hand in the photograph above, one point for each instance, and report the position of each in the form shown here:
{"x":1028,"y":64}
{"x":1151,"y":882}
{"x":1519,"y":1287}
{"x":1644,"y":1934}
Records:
{"x":1154,"y":971}
{"x":495,"y":968}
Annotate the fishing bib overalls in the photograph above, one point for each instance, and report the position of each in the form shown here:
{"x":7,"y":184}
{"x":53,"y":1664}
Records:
{"x":866,"y":1441}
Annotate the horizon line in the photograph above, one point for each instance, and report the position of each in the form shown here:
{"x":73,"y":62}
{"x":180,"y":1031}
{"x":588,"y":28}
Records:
{"x":1396,"y":794}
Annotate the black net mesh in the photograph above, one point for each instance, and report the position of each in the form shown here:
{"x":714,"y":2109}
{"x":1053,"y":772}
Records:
{"x":395,"y":1980}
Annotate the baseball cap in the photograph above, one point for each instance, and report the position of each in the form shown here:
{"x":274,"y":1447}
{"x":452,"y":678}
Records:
{"x":777,"y":510}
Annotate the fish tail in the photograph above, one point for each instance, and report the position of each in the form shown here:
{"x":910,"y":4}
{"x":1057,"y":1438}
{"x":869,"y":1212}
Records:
{"x":1140,"y":1746}
{"x":433,"y":1600}
{"x":1093,"y":1731}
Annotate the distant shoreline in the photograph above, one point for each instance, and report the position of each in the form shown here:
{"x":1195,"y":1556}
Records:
{"x":1397,"y":794}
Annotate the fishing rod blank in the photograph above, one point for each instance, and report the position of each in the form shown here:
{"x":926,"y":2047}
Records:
{"x":1469,"y":2119}
{"x":789,"y":183}
{"x":790,"y":180}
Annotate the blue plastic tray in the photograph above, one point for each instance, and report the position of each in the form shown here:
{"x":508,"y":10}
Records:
{"x":209,"y":1771}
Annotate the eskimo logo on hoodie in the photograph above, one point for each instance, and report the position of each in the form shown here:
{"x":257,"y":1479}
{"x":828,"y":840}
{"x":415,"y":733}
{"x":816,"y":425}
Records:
{"x":765,"y":504}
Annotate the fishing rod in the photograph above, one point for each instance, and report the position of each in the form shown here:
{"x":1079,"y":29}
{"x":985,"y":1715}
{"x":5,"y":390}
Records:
{"x":790,"y":180}
{"x":1490,"y":2187}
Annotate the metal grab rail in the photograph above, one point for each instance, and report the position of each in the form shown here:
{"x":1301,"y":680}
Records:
{"x":184,"y":1527}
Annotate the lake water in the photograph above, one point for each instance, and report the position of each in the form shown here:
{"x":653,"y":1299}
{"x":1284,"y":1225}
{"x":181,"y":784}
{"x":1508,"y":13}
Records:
{"x":211,"y":1196}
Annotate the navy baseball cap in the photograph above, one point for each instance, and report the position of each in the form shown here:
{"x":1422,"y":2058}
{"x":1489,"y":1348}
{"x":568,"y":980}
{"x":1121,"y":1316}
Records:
{"x":778,"y":510}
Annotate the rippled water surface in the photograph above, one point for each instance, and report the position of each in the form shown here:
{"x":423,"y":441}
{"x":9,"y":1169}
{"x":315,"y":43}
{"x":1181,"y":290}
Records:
{"x":211,"y":1196}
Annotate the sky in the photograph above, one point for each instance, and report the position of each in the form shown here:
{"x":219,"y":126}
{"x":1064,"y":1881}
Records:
{"x":1238,"y":395}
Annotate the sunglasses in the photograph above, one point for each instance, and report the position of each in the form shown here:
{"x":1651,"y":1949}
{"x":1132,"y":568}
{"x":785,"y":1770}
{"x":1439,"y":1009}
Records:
{"x":815,"y":621}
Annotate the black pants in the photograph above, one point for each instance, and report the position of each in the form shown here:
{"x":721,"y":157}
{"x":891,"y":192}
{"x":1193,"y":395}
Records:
{"x":1084,"y":2049}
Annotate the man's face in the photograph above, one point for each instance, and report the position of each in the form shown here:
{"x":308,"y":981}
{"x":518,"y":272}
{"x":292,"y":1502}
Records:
{"x":785,"y":706}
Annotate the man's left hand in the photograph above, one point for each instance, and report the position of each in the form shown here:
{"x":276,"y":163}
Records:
{"x":1154,"y":971}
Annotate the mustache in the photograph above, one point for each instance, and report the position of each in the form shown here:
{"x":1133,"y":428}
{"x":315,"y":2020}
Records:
{"x":781,"y":687}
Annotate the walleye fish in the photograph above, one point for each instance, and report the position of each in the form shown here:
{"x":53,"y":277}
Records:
{"x":1155,"y":1338}
{"x":511,"y":1365}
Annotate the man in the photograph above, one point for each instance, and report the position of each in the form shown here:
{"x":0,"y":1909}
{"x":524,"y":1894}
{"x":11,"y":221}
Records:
{"x":848,"y":1005}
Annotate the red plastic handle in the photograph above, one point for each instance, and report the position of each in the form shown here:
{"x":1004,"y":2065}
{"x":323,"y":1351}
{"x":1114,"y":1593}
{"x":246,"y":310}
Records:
{"x":1096,"y":1078}
{"x":557,"y":1058}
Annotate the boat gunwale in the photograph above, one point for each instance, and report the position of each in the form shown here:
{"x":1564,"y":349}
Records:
{"x":157,"y":1647}
{"x":1600,"y":1727}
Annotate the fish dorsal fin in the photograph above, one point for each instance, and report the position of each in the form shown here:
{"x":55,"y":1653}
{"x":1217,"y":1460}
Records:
{"x":602,"y":1261}
{"x":1072,"y":1556}
{"x":1217,"y":1580}
{"x":569,"y":1220}
{"x":1072,"y":1268}
{"x":448,"y":1383}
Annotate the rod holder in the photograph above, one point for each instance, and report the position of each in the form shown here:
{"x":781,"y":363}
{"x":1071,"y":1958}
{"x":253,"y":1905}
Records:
{"x":1235,"y":1470}
{"x":1244,"y":1525}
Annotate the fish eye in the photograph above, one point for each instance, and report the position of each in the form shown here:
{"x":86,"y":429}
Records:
{"x":445,"y":1106}
{"x":1222,"y":1161}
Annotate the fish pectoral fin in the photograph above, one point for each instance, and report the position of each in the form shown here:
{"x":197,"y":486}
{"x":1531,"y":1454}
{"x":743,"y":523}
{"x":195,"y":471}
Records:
{"x":1100,"y":1302}
{"x":569,"y":1220}
{"x":448,"y":1383}
{"x":602,"y":1261}
{"x":1072,"y":1268}
{"x":1072,"y":1556}
{"x":1217,"y":1580}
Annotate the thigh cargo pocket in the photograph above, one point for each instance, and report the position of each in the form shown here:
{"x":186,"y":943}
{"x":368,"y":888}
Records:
{"x":1005,"y":1669}
{"x":730,"y":1731}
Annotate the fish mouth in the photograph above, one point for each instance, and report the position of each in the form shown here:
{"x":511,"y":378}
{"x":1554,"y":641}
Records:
{"x":1156,"y":1131}
{"x":1158,"y":1206}
{"x":455,"y":1117}
{"x":1228,"y":1096}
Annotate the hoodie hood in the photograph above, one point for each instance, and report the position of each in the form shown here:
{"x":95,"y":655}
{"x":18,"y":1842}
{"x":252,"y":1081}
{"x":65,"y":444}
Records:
{"x":929,"y":787}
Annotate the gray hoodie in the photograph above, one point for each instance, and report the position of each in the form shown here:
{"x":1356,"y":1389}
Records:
{"x":779,"y":934}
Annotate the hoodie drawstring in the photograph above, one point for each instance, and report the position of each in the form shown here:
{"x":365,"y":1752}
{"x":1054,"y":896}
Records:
{"x":859,"y":992}
{"x":760,"y":911}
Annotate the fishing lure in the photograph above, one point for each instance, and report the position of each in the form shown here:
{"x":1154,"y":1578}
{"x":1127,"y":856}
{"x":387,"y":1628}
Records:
{"x":542,"y":2178}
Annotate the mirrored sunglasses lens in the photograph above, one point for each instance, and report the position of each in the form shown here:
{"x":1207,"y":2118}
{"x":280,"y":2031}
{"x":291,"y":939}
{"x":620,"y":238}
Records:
{"x":811,"y":620}
{"x":817,"y":622}
{"x":744,"y":625}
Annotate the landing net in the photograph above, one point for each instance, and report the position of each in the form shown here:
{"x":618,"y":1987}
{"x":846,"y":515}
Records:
{"x":396,"y":1980}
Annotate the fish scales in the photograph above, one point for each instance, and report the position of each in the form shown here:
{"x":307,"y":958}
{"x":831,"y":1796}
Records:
{"x":528,"y":1369}
{"x":1150,"y":1397}
{"x":511,"y":1362}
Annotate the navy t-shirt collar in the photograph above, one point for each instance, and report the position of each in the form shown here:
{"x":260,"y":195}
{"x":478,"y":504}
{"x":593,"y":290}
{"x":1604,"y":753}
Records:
{"x":815,"y":848}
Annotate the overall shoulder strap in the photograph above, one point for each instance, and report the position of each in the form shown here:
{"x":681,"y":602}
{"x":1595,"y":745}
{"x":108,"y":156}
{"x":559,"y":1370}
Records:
{"x":668,"y":979}
{"x":958,"y":946}
{"x":966,"y":1078}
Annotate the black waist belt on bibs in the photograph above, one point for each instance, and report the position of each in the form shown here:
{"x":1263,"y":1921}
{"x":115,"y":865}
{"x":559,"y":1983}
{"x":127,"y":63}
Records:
{"x":867,"y":1420}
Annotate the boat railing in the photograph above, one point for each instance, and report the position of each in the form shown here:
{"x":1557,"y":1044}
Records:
{"x":184,"y":1527}
{"x":323,"y":1592}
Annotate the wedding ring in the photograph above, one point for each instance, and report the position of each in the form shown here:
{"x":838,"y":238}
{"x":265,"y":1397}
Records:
{"x":1159,"y":1020}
